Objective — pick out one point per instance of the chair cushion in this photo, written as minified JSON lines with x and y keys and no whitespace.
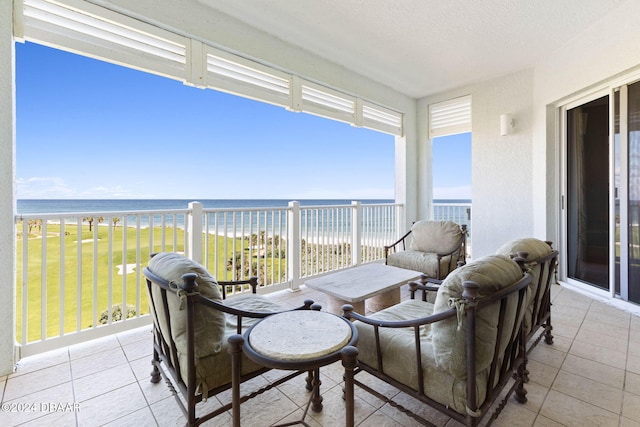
{"x":537,"y":249}
{"x":492,"y":273}
{"x":399,"y":356}
{"x":425,"y":262}
{"x":435,"y":236}
{"x":210,"y":324}
{"x":215,"y":370}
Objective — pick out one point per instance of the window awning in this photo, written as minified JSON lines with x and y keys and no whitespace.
{"x":87,"y":29}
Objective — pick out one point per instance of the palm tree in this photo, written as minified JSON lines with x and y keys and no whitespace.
{"x":89,"y":220}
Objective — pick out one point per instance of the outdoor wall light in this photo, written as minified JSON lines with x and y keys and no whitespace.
{"x":507,"y":124}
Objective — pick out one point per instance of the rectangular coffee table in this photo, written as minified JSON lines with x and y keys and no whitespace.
{"x":379,"y":284}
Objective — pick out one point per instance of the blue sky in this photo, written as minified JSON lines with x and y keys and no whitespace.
{"x":89,"y":129}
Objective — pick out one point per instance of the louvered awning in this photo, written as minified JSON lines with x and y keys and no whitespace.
{"x":87,"y":29}
{"x":450,"y":117}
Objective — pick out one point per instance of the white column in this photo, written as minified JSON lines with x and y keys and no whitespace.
{"x":293,"y":246}
{"x":7,"y":193}
{"x":194,"y":231}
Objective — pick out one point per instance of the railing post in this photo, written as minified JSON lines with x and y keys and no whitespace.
{"x":194,"y":231}
{"x":356,"y":233}
{"x":294,"y":246}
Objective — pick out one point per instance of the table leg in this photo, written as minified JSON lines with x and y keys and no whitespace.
{"x":384,"y":300}
{"x":316,"y":398}
{"x":309,"y":380}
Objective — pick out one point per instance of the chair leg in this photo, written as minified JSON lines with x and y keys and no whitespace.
{"x":548,"y":336}
{"x":155,"y":372}
{"x":349,"y":361}
{"x":235,"y":349}
{"x":520,"y":391}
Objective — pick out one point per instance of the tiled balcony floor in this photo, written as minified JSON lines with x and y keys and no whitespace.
{"x":589,"y":377}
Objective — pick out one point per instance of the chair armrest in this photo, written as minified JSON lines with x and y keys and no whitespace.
{"x":394,"y":246}
{"x":253,"y":282}
{"x":424,"y":284}
{"x":248,"y":313}
{"x":348,"y":313}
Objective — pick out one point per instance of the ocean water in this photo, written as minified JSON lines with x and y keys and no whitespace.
{"x":31,"y":206}
{"x":265,"y":219}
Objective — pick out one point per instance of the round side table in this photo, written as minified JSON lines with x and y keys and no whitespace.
{"x":304,"y":340}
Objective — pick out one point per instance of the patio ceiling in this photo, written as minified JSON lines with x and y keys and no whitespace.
{"x":421,"y":47}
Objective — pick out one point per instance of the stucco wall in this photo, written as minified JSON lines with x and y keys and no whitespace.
{"x":592,"y":60}
{"x":501,"y":165}
{"x":7,"y":200}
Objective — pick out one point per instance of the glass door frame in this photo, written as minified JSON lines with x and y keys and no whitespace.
{"x":564,"y":191}
{"x":618,"y":86}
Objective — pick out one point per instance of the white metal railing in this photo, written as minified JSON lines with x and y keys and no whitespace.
{"x":77,"y":272}
{"x":80,"y":274}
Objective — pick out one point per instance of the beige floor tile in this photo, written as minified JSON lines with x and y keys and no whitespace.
{"x":541,"y":373}
{"x":633,"y":364}
{"x":608,"y":315}
{"x":103,"y":381}
{"x":632,"y":383}
{"x":603,"y":340}
{"x":52,"y":419}
{"x":154,"y":392}
{"x":417,"y":407}
{"x":536,"y":394}
{"x":599,"y":354}
{"x":138,"y":350}
{"x":39,"y":404}
{"x":621,"y":333}
{"x":573,"y":412}
{"x":512,"y":416}
{"x":134,"y":335}
{"x":380,"y":419}
{"x":546,"y":422}
{"x":626,"y":422}
{"x":564,"y":329}
{"x":99,"y":361}
{"x":41,"y":361}
{"x":596,"y":371}
{"x":111,"y":406}
{"x":333,"y":413}
{"x":168,"y":414}
{"x":560,"y":343}
{"x":634,"y":347}
{"x":587,"y":390}
{"x":35,"y":381}
{"x":266,"y":409}
{"x":631,"y":406}
{"x":567,"y":315}
{"x":547,"y":355}
{"x":92,"y":347}
{"x":141,"y":418}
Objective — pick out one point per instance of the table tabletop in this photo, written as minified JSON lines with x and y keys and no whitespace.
{"x":362,"y":282}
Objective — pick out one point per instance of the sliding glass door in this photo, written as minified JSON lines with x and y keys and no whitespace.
{"x":587,"y":192}
{"x":602,"y":197}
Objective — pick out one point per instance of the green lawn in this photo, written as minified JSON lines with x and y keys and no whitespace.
{"x":79,"y":275}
